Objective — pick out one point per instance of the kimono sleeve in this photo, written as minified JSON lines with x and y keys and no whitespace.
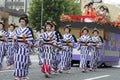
{"x":30,"y":38}
{"x":79,"y":45}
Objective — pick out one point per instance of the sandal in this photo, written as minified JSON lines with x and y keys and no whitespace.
{"x":16,"y":78}
{"x":25,"y":78}
{"x":47,"y":75}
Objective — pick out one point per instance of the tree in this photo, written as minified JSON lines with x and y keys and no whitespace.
{"x":52,"y":10}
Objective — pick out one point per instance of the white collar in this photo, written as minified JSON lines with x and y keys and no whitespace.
{"x":85,"y":35}
{"x":11,"y":32}
{"x":67,"y":34}
{"x":23,"y":28}
{"x":49,"y":32}
{"x":0,"y":31}
{"x":96,"y":36}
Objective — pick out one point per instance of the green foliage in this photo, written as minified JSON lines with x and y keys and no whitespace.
{"x":52,"y":9}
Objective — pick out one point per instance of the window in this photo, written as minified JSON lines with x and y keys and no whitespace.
{"x":14,"y":0}
{"x":8,"y":0}
{"x":10,"y":7}
{"x":20,"y":0}
{"x":21,"y":7}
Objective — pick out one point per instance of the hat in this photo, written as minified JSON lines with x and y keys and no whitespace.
{"x":68,"y":26}
{"x":54,"y":23}
{"x":95,"y":30}
{"x":12,"y":24}
{"x":48,"y":23}
{"x":42,"y":27}
{"x":24,"y":18}
{"x":85,"y":28}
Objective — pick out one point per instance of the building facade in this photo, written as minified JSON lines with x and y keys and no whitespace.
{"x":16,"y":4}
{"x":14,"y":9}
{"x":2,"y":3}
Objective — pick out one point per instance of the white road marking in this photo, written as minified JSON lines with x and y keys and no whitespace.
{"x":5,"y":71}
{"x":97,"y":77}
{"x":118,"y":66}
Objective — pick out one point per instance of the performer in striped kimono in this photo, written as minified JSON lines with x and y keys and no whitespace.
{"x":49,"y":40}
{"x":84,"y":42}
{"x":40,"y":48}
{"x":11,"y":47}
{"x":96,"y":44}
{"x":31,"y":47}
{"x":56,"y":56}
{"x":3,"y":39}
{"x":24,"y":41}
{"x":66,"y":56}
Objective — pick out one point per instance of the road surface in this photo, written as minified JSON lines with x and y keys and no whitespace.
{"x":76,"y":74}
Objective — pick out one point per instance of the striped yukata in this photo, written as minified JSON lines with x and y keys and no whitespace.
{"x":56,"y":56}
{"x":30,"y":52}
{"x":21,"y":59}
{"x":11,"y":49}
{"x":40,"y":49}
{"x":95,"y":51}
{"x":3,"y":46}
{"x":66,"y":56}
{"x":48,"y":51}
{"x":84,"y":49}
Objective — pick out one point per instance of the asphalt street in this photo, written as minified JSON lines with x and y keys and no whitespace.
{"x":75,"y":74}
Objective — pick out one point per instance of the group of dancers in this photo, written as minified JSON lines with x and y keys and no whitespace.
{"x":55,"y":50}
{"x":15,"y":45}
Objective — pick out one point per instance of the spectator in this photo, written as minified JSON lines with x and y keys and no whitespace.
{"x":86,"y":10}
{"x":101,"y":12}
{"x":90,"y":11}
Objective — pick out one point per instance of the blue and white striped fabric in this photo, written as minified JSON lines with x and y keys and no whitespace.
{"x":21,"y":59}
{"x":40,"y":48}
{"x":11,"y":49}
{"x":66,"y":55}
{"x":56,"y":56}
{"x":3,"y":45}
{"x":95,"y":51}
{"x":49,"y":49}
{"x":84,"y":50}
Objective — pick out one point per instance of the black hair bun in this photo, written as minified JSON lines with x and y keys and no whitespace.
{"x":95,"y":30}
{"x":68,"y":27}
{"x":49,"y":23}
{"x":12,"y":24}
{"x":25,"y":18}
{"x":85,"y":28}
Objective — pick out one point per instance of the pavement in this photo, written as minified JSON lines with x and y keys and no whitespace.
{"x":75,"y":73}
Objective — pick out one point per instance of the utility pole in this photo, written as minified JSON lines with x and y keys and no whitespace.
{"x":25,"y":6}
{"x":81,"y":6}
{"x":41,"y":13}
